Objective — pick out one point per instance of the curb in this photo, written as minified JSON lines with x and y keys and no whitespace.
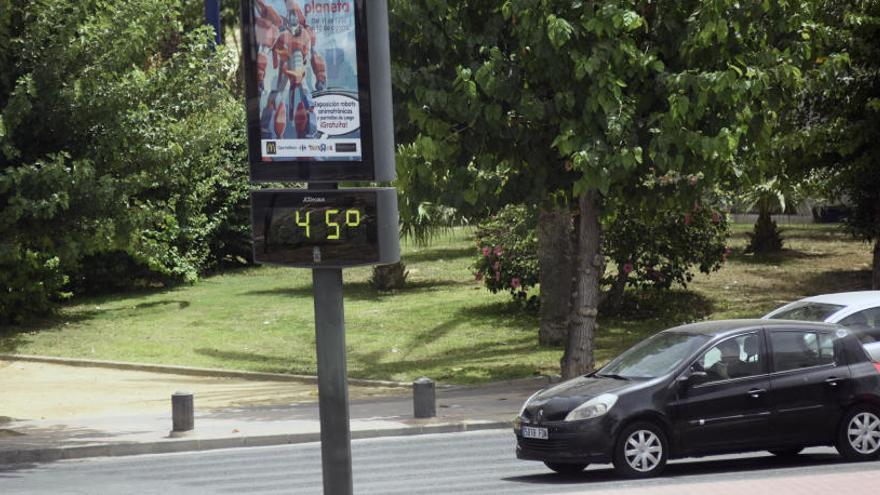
{"x":192,"y":371}
{"x":51,"y":454}
{"x":253,"y":375}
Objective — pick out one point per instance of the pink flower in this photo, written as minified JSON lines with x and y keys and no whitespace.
{"x":687,"y":219}
{"x":486,"y":251}
{"x":515,"y":283}
{"x":627,"y":268}
{"x":497,"y":266}
{"x":497,"y":276}
{"x":497,"y":250}
{"x":479,"y":276}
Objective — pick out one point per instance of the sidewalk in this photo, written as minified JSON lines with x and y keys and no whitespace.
{"x":51,"y":411}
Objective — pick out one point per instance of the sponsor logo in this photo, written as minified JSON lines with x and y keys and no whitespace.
{"x":346,"y":147}
{"x":327,"y":7}
{"x":314,"y":199}
{"x":271,"y":148}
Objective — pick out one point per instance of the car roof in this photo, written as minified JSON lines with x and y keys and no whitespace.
{"x":847,"y":298}
{"x":723,"y":327}
{"x":852,"y":302}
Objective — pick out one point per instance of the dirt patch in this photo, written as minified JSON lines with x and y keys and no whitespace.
{"x":50,"y":391}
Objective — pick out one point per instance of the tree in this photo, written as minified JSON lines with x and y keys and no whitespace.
{"x":839,"y":117}
{"x":599,"y":102}
{"x":119,"y":138}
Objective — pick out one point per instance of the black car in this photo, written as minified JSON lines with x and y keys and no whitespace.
{"x":710,"y":388}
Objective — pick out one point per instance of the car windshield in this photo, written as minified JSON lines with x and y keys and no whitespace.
{"x":655,"y":356}
{"x":810,"y":311}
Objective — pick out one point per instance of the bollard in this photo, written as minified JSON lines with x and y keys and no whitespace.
{"x":182,"y":413}
{"x":424,"y":399}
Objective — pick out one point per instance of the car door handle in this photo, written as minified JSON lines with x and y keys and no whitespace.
{"x":832,"y":382}
{"x":756,"y":393}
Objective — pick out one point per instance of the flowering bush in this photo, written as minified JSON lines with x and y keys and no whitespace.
{"x":508,"y":253}
{"x":662,"y":248}
{"x":657,"y":248}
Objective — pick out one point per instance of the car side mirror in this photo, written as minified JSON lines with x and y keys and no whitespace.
{"x":693,"y":375}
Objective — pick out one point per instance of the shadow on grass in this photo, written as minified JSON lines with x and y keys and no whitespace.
{"x":436,"y":254}
{"x":832,"y":281}
{"x":786,"y":256}
{"x":673,"y":305}
{"x":361,"y":291}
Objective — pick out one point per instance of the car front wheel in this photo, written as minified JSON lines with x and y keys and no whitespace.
{"x":859,"y":435}
{"x":566,"y":468}
{"x":641,"y":451}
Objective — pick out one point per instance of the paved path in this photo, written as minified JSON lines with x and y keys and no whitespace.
{"x":71,"y":412}
{"x":450,"y":464}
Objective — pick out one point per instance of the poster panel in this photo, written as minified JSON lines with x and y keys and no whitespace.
{"x":308,"y":84}
{"x":308,"y":80}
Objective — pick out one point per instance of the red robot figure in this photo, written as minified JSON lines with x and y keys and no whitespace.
{"x":292,"y":55}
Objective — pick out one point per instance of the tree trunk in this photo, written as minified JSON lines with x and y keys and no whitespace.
{"x":877,"y":265}
{"x":554,"y":253}
{"x":613,"y":300}
{"x":589,"y":268}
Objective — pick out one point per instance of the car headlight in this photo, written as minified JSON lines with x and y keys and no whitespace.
{"x":526,"y":403}
{"x":593,"y":408}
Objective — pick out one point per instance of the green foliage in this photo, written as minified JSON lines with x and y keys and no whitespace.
{"x":662,"y":248}
{"x":839,"y":118}
{"x":766,"y":238}
{"x":508,"y":253}
{"x":659,"y":249}
{"x":119,"y":135}
{"x":516,"y":101}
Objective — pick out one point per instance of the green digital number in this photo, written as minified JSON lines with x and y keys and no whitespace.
{"x":306,"y":225}
{"x":349,"y":214}
{"x":332,"y":224}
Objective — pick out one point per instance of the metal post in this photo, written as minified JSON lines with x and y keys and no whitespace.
{"x":424,"y":398}
{"x":212,"y":18}
{"x":332,"y":381}
{"x":182,"y":413}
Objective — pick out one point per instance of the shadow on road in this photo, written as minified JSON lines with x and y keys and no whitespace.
{"x":688,"y":467}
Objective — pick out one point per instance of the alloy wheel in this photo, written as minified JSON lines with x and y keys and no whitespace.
{"x":643,"y":450}
{"x":863,"y":433}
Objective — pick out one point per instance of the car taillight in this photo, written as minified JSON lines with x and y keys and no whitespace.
{"x":876,"y":366}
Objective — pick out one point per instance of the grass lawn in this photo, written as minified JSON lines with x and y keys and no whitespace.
{"x":444,"y":325}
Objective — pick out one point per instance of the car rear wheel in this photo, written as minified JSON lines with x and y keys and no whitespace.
{"x":786,"y":452}
{"x":859,"y":435}
{"x":566,"y":468}
{"x":641,"y":451}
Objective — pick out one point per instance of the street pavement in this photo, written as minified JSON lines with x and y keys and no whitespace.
{"x":453,"y":464}
{"x":70,"y":412}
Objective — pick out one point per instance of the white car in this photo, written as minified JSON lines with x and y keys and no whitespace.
{"x":858,"y":311}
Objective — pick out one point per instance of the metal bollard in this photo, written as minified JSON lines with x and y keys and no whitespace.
{"x":424,"y":398}
{"x":182,"y":413}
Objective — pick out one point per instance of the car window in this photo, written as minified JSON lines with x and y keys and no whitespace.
{"x":801,"y":349}
{"x":867,"y":321}
{"x":737,"y":357}
{"x":808,"y":311}
{"x":655,"y":356}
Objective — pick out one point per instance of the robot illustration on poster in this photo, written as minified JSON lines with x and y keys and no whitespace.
{"x":307,"y":80}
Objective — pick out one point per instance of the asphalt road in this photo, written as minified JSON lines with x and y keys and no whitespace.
{"x":459,"y":464}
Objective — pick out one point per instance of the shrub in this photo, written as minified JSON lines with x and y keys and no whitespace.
{"x":649,"y":248}
{"x":120,"y":137}
{"x":508,"y":253}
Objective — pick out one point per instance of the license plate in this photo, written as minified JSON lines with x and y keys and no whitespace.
{"x":532,"y":432}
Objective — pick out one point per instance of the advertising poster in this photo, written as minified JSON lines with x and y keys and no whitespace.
{"x":307,"y":79}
